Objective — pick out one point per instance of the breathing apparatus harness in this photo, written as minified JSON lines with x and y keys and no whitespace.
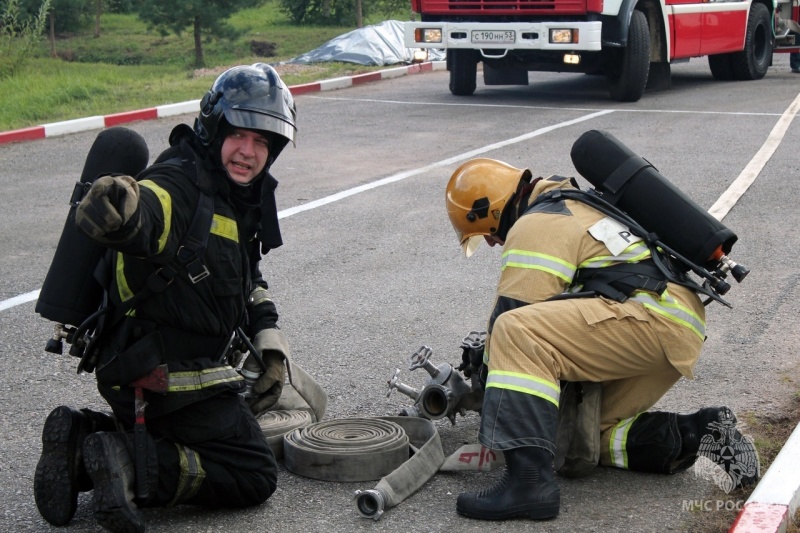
{"x":619,"y":281}
{"x":187,"y":259}
{"x":681,"y":236}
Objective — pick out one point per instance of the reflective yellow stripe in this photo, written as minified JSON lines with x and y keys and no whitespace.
{"x":524,"y":383}
{"x":225,"y":227}
{"x":618,"y":444}
{"x":538,"y":261}
{"x":166,"y":207}
{"x":191,"y":475}
{"x":634,"y":253}
{"x":200,"y":379}
{"x":124,"y":291}
{"x":670,"y":308}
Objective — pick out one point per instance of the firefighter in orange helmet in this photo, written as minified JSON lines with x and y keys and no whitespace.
{"x":567,"y":310}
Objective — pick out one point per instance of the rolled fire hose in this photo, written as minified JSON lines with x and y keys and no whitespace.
{"x":304,"y":402}
{"x":404,"y":452}
{"x":301,"y":403}
{"x":275,"y":424}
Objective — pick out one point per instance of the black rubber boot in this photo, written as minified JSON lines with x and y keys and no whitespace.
{"x":110,"y":465}
{"x":693,"y":427}
{"x":526,"y":490}
{"x":60,"y":474}
{"x":712,"y":433}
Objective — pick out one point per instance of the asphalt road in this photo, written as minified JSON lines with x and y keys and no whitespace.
{"x":365,"y":279}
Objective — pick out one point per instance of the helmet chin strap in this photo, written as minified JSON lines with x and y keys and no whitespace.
{"x":240,"y":185}
{"x":515,"y":207}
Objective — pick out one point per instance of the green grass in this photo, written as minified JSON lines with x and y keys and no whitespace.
{"x":130,"y":67}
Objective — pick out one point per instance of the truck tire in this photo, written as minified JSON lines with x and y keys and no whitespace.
{"x":463,"y":72}
{"x":722,"y":67}
{"x":629,"y":66}
{"x":752,"y":62}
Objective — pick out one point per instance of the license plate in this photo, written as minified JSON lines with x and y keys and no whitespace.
{"x":503,"y":37}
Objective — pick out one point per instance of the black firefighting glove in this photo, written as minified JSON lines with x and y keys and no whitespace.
{"x":274,"y":349}
{"x":110,"y":203}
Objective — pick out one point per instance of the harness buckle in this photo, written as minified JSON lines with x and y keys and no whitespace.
{"x":161,"y":278}
{"x":195,"y":268}
{"x":201,"y":275}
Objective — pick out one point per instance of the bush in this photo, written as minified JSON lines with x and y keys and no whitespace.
{"x":18,"y":36}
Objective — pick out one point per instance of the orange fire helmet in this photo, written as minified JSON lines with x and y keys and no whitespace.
{"x":476,"y":194}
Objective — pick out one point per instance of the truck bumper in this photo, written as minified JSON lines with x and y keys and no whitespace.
{"x":509,"y":36}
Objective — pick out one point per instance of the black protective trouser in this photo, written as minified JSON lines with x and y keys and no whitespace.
{"x":512,"y":419}
{"x":239,"y":467}
{"x":653,"y":444}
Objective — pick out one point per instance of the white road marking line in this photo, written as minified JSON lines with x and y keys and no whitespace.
{"x":718,"y":210}
{"x":449,"y":161}
{"x":546,"y":108}
{"x":740,"y":185}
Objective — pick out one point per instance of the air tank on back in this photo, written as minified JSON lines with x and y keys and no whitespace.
{"x":70,"y":292}
{"x":634,"y":186}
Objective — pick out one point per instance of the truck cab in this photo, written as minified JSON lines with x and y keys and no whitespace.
{"x":630,"y":42}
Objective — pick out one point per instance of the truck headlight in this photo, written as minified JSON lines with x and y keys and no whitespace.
{"x":563,"y":35}
{"x":428,"y":35}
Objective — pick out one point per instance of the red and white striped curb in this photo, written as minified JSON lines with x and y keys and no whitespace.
{"x":772,"y":505}
{"x":99,"y":122}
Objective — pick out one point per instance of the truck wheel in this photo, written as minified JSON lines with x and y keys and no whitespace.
{"x":752,"y":62}
{"x":721,"y":67}
{"x":463,"y":72}
{"x":629,"y":66}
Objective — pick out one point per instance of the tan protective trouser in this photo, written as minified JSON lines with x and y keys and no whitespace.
{"x":592,"y":339}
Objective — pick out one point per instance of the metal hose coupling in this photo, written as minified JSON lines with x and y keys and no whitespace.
{"x":445,"y":394}
{"x":436,"y":401}
{"x":370,"y":503}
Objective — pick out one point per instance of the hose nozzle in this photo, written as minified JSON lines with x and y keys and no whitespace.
{"x":370,"y":503}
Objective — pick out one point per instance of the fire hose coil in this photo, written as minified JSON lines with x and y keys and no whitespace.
{"x":350,"y":449}
{"x":275,"y":424}
{"x":403,"y":452}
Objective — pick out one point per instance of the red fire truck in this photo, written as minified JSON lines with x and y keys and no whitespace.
{"x":631,"y":42}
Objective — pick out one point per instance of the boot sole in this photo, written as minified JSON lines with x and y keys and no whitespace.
{"x":55,"y":482}
{"x":533,"y":512}
{"x":112,"y":509}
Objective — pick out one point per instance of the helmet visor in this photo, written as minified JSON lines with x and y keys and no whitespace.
{"x":253,"y":120}
{"x":470,"y":244}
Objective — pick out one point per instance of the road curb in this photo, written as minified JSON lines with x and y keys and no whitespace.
{"x":772,"y":505}
{"x":99,"y":122}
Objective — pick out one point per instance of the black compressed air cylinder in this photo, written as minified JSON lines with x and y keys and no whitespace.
{"x":70,"y":292}
{"x":637,"y":188}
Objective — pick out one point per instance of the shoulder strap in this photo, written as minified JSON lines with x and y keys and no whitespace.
{"x":190,"y":251}
{"x":188,"y":257}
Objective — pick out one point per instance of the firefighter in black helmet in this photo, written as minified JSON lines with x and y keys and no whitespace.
{"x":202,"y":445}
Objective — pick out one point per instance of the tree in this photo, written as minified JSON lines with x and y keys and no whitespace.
{"x":66,"y":15}
{"x":339,"y":12}
{"x":70,"y":15}
{"x":98,"y":10}
{"x":205,"y":17}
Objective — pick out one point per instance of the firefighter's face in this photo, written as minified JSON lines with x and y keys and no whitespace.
{"x":492,"y":240}
{"x":244,"y":154}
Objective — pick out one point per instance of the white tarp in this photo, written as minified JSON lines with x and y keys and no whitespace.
{"x":379,"y":44}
